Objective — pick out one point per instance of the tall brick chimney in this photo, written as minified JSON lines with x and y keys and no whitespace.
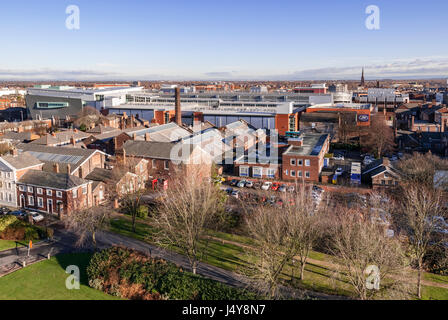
{"x":178,"y":111}
{"x":56,"y":168}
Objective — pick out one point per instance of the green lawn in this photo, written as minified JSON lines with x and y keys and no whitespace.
{"x":46,"y":281}
{"x":232,"y":257}
{"x":7,"y":244}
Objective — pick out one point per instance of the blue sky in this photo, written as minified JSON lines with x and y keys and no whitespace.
{"x":245,"y":39}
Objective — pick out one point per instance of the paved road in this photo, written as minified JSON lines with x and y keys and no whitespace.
{"x":65,"y":243}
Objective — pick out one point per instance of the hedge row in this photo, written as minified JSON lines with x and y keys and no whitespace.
{"x":132,"y":275}
{"x":14,"y":229}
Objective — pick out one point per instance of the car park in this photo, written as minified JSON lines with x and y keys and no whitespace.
{"x":282,"y":188}
{"x":266,"y":185}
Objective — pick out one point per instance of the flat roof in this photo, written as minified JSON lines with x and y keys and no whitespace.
{"x":312,"y":144}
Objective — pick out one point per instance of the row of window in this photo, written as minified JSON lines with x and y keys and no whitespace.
{"x":6,"y":175}
{"x":49,"y":192}
{"x":5,"y":196}
{"x":293,"y":173}
{"x":257,"y":172}
{"x":8,"y":185}
{"x":40,"y":202}
{"x":299,"y":162}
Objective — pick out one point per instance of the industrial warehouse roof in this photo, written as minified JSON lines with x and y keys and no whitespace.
{"x":160,"y":150}
{"x":163,"y":133}
{"x":53,"y":180}
{"x":311,"y":145}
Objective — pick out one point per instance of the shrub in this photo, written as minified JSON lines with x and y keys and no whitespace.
{"x":142,"y":212}
{"x":12,"y":228}
{"x":7,"y":220}
{"x":132,"y":275}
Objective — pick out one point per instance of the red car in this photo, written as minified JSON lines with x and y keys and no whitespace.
{"x":275,"y":186}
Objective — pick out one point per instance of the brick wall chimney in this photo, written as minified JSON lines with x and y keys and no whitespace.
{"x":134,"y":136}
{"x":298,"y":142}
{"x":56,"y":168}
{"x":178,"y":110}
{"x":14,"y":152}
{"x":147,"y":138}
{"x":68,"y":168}
{"x":72,"y":141}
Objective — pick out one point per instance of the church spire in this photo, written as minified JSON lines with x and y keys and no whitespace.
{"x":362,"y":77}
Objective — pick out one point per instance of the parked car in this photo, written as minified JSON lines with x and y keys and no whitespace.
{"x":229,"y":190}
{"x":368,"y":159}
{"x":291,"y":189}
{"x":257,"y":185}
{"x":249,"y":184}
{"x":236,"y":193}
{"x":338,"y":157}
{"x":339,"y":171}
{"x":282,"y":188}
{"x":234,"y":182}
{"x":266,"y":185}
{"x":19,"y":214}
{"x":275,"y":186}
{"x":37,"y":217}
{"x":4,"y":210}
{"x":241,"y":184}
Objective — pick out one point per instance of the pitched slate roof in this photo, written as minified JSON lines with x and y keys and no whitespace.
{"x":21,"y":161}
{"x":53,"y":180}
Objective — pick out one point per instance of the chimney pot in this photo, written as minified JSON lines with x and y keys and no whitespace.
{"x":147,"y":138}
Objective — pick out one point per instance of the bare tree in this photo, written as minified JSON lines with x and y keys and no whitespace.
{"x":130,"y":204}
{"x":268,"y":227}
{"x":361,"y":247}
{"x":380,"y":137}
{"x":302,"y":224}
{"x":420,"y":169}
{"x":422,"y":208}
{"x":5,"y":147}
{"x":86,"y":223}
{"x":88,"y":117}
{"x":187,"y":211}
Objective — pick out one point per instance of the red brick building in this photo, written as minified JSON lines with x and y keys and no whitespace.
{"x":53,"y":193}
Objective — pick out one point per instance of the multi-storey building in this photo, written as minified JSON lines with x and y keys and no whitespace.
{"x":12,"y":168}
{"x":54,"y":192}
